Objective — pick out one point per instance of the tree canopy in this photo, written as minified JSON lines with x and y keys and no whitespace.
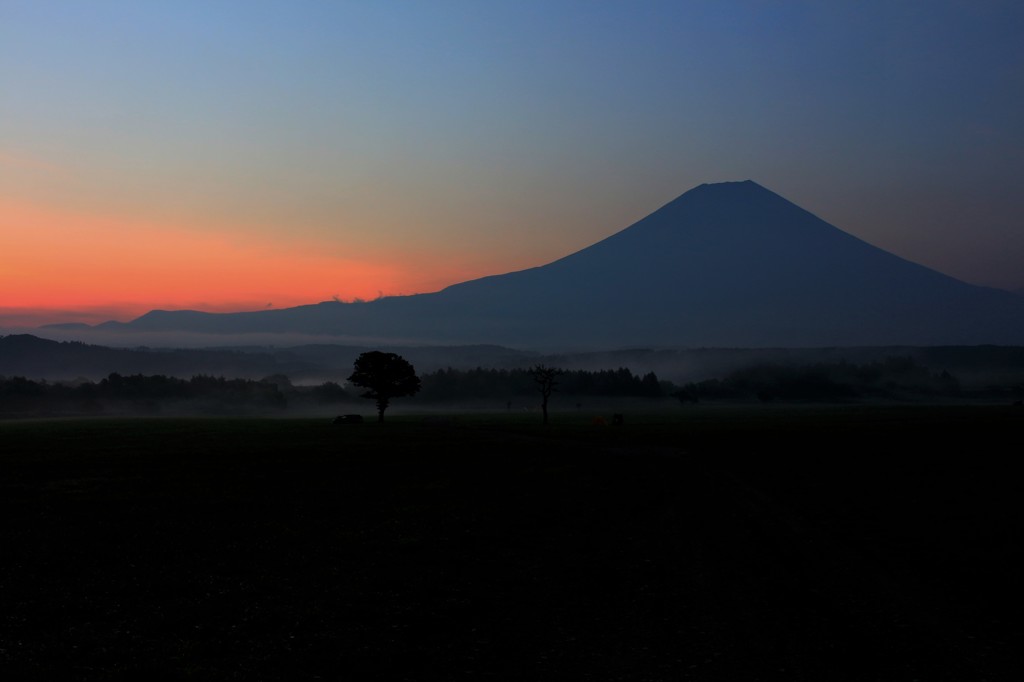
{"x":384,"y":376}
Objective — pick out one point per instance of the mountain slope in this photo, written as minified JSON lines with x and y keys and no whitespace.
{"x":729,"y":264}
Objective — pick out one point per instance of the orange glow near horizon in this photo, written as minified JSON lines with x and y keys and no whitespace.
{"x":103,"y":268}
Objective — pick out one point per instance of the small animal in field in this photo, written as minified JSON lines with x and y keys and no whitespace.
{"x":349,"y":419}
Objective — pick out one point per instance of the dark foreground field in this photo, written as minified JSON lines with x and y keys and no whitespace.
{"x":734,"y":544}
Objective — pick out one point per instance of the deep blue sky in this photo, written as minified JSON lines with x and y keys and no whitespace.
{"x":435,"y":141}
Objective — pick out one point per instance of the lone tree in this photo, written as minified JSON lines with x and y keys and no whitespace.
{"x":546,"y":379}
{"x":384,"y":376}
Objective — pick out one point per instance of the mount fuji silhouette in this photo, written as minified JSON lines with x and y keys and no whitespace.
{"x":728,"y":264}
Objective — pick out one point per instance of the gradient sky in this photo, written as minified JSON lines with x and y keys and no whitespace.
{"x":238,"y":155}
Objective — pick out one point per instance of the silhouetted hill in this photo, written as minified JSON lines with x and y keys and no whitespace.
{"x":70,"y":326}
{"x":729,"y":264}
{"x":30,"y":356}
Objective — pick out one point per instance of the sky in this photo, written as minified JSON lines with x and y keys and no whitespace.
{"x":238,"y":155}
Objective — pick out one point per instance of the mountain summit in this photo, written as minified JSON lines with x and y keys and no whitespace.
{"x":728,"y":264}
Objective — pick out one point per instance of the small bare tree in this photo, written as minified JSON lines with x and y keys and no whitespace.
{"x":546,"y":379}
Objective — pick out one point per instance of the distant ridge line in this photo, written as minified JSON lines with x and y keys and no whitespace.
{"x":729,"y":264}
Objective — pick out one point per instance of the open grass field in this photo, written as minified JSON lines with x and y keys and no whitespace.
{"x":743,"y":543}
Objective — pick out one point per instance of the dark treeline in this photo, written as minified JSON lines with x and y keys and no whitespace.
{"x":895,"y":378}
{"x":892,"y":378}
{"x":149,"y":394}
{"x":504,"y":384}
{"x":137,"y":393}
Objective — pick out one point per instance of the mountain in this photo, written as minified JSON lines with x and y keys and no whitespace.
{"x":729,"y":264}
